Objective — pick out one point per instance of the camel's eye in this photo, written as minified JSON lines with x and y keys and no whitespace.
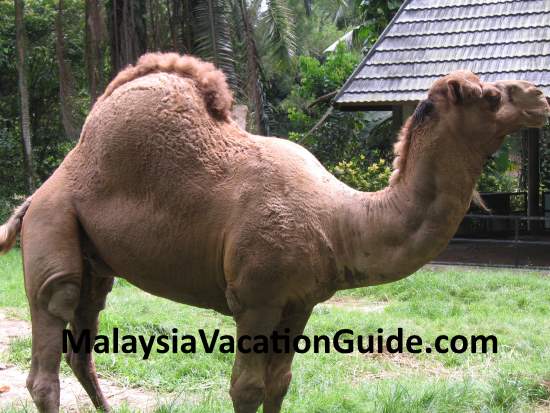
{"x":493,"y":99}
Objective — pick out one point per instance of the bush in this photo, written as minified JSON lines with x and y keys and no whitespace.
{"x":500,"y":173}
{"x":358,"y":174}
{"x":339,"y":135}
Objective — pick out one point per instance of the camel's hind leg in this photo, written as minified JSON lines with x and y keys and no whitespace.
{"x":93,"y":293}
{"x":43,"y":379}
{"x":53,"y":272}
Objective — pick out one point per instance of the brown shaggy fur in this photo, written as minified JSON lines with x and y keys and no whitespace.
{"x":401,"y":150}
{"x":424,"y":110}
{"x":210,"y":81}
{"x":402,"y":146}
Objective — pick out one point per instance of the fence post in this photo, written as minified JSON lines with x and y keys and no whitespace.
{"x":516,"y":239}
{"x":533,"y":184}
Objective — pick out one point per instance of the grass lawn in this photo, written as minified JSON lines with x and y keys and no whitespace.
{"x":513,"y":305}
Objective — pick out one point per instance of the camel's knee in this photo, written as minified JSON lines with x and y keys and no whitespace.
{"x":247,"y":396}
{"x":277,"y":385}
{"x":80,"y":362}
{"x":44,"y":390}
{"x":64,"y":301}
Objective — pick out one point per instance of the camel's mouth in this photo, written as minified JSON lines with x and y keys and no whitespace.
{"x":537,"y":118}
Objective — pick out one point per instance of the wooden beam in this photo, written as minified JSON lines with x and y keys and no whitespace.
{"x":533,"y":183}
{"x":397,"y":119}
{"x":408,"y":110}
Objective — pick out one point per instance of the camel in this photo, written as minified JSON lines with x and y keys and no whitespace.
{"x":164,"y":190}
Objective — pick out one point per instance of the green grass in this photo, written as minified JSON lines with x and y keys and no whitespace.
{"x":513,"y":305}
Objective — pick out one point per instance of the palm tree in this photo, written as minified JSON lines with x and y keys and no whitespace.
{"x":212,"y":35}
{"x":224,"y":32}
{"x":215,"y":34}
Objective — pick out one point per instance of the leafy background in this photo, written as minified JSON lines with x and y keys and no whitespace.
{"x":282,"y":58}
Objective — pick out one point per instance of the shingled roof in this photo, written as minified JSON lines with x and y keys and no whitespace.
{"x":496,"y":39}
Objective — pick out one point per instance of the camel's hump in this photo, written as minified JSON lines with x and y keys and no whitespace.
{"x":210,"y":81}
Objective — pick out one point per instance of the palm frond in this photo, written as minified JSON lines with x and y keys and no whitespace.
{"x":279,"y":28}
{"x":212,"y":37}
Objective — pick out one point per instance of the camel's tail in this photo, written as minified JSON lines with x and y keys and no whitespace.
{"x":12,"y":227}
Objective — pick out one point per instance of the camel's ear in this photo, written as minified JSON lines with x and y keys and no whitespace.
{"x":462,"y":91}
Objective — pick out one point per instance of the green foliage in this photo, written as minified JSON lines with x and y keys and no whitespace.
{"x":338,"y":137}
{"x":318,"y":78}
{"x":341,"y":142}
{"x":49,"y":142}
{"x":367,"y":19}
{"x":315,"y":30}
{"x":214,"y":44}
{"x":376,"y":14}
{"x":500,"y":173}
{"x":278,"y":28}
{"x":362,"y":175}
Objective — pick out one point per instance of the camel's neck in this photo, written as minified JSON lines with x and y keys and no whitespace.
{"x":386,"y":235}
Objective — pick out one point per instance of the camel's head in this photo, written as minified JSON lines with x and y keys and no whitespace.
{"x":484,"y":112}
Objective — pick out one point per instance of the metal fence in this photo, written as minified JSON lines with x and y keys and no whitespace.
{"x":517,"y":231}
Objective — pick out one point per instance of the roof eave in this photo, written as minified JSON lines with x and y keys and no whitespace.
{"x":374,"y":106}
{"x":371,"y":50}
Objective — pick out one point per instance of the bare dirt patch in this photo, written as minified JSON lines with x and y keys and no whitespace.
{"x":73,"y":398}
{"x":355,"y":304}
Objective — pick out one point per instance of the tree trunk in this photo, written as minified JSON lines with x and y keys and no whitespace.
{"x":177,"y":24}
{"x":186,"y":26}
{"x":127,"y":43}
{"x":253,"y":64}
{"x":239,"y":115}
{"x":154,"y":25}
{"x":172,"y":12}
{"x":72,"y":131}
{"x":127,"y":32}
{"x":21,"y":40}
{"x":158,"y":19}
{"x":94,"y":53}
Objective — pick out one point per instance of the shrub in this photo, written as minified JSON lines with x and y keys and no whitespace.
{"x":360,"y":175}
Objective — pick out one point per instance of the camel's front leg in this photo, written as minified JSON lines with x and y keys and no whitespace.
{"x":248,"y":378}
{"x":278,"y":372}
